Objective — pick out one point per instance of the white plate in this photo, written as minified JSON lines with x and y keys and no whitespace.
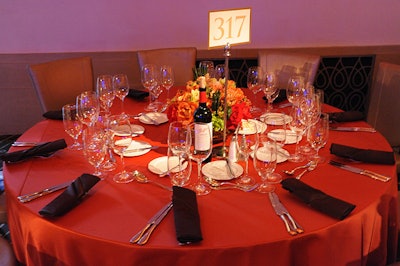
{"x":136,"y":144}
{"x":282,"y":155}
{"x":261,"y":127}
{"x":291,"y":137}
{"x":218,"y":170}
{"x":160,"y":165}
{"x":271,"y":116}
{"x":137,"y":129}
{"x":159,"y":117}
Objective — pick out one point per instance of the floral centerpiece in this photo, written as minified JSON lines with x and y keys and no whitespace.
{"x":183,"y":105}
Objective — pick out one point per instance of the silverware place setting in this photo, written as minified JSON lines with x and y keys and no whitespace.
{"x":43,"y":192}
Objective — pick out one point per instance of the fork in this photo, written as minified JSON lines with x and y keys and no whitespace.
{"x":312,"y":166}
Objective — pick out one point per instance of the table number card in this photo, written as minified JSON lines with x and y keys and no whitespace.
{"x":229,"y":26}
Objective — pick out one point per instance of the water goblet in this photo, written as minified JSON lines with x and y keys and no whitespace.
{"x":200,"y":149}
{"x":121,"y":138}
{"x":255,"y":84}
{"x":148,"y":78}
{"x":105,"y":92}
{"x":219,"y":72}
{"x":72,"y":124}
{"x":298,"y":128}
{"x":270,"y":88}
{"x":167,"y":78}
{"x":87,"y":104}
{"x":208,"y":67}
{"x":178,"y":140}
{"x":317,"y":136}
{"x":121,"y":88}
{"x":265,"y":160}
{"x":95,"y":147}
{"x":246,"y":142}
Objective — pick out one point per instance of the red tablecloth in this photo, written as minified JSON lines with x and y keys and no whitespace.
{"x":238,"y":228}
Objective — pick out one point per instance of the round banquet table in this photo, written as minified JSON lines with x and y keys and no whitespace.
{"x":239,"y":228}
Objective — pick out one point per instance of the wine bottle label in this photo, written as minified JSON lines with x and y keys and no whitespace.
{"x":202,"y":137}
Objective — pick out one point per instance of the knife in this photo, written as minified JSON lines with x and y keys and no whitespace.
{"x":143,"y":235}
{"x":361,"y":171}
{"x":155,"y":122}
{"x":40,"y":193}
{"x":142,"y":149}
{"x":354,"y":129}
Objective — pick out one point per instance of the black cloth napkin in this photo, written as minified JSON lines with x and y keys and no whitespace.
{"x":71,"y":197}
{"x":137,"y":94}
{"x":186,"y":215}
{"x":362,"y":155}
{"x":54,"y":115}
{"x":44,"y":149}
{"x":347,"y":116}
{"x":317,"y":199}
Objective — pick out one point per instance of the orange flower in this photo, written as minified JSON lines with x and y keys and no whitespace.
{"x":182,"y":111}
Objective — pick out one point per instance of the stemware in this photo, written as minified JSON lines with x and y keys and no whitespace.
{"x":167,"y":78}
{"x":294,"y":89}
{"x":105,"y":92}
{"x":265,"y":160}
{"x":208,"y":66}
{"x":246,"y":142}
{"x":298,"y":128}
{"x":276,"y":127}
{"x":121,"y":138}
{"x":72,"y":124}
{"x":178,"y":143}
{"x":121,"y":88}
{"x":317,"y":136}
{"x":219,"y":72}
{"x":200,"y":149}
{"x":148,"y":78}
{"x":270,"y":88}
{"x":95,"y":147}
{"x":87,"y":104}
{"x":255,"y":84}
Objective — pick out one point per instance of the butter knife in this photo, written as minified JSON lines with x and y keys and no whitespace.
{"x":155,"y":122}
{"x":354,"y":129}
{"x":142,"y":149}
{"x":43,"y":192}
{"x":361,"y":171}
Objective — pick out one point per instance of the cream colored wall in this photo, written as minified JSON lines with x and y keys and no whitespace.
{"x":29,"y":26}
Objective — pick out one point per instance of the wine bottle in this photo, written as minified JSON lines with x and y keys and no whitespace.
{"x":202,"y":118}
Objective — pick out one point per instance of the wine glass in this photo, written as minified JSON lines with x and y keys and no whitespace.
{"x":294,"y":89}
{"x":121,"y":88}
{"x":255,"y":84}
{"x":219,"y":72}
{"x":298,"y":128}
{"x":167,"y":78}
{"x":105,"y":92}
{"x":265,"y":160}
{"x":317,"y":136}
{"x":246,"y":142}
{"x":270,"y":88}
{"x":208,"y":66}
{"x":178,"y":140}
{"x":121,"y":139}
{"x":148,"y":73}
{"x":72,"y":124}
{"x":94,"y":147}
{"x":200,"y":150}
{"x":276,"y":128}
{"x":87,"y":104}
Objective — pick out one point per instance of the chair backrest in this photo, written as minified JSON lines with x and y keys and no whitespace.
{"x":182,"y":60}
{"x":288,"y":64}
{"x":59,"y":82}
{"x":384,"y":107}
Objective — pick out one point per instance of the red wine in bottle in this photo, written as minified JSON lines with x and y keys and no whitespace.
{"x":202,"y":118}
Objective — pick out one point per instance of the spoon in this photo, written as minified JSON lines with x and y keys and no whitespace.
{"x":229,"y":185}
{"x":141,"y":178}
{"x":291,"y":172}
{"x":312,"y":166}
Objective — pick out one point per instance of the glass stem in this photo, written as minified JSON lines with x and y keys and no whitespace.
{"x":199,"y":171}
{"x":247,"y":165}
{"x":122,"y":162}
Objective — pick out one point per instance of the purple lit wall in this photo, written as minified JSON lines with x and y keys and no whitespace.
{"x":35,"y":26}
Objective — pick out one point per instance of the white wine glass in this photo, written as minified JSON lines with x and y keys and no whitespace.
{"x":95,"y":147}
{"x":72,"y":124}
{"x":105,"y":92}
{"x":88,"y":107}
{"x":317,"y":136}
{"x":270,"y":88}
{"x":148,"y":78}
{"x":121,"y":88}
{"x":167,"y":78}
{"x":255,"y":84}
{"x":200,"y":150}
{"x":246,"y":142}
{"x":219,"y":72}
{"x":178,"y":140}
{"x":265,"y":160}
{"x":208,"y":66}
{"x":121,"y":139}
{"x":294,"y":89}
{"x":298,"y":128}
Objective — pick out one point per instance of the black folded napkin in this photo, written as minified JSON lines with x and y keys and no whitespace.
{"x":45,"y":149}
{"x":347,"y":116}
{"x":362,"y":155}
{"x":317,"y":199}
{"x":54,"y":115}
{"x":186,"y":215}
{"x":71,"y":197}
{"x":137,"y":94}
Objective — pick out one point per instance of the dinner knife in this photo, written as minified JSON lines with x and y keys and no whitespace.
{"x":354,"y":129}
{"x":40,"y":193}
{"x":361,"y":171}
{"x":142,"y":149}
{"x":155,"y":122}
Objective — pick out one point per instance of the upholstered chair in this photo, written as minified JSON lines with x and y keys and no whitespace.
{"x":182,"y":60}
{"x":288,"y":64}
{"x":59,"y":82}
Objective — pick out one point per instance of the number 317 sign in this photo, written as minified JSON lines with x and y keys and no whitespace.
{"x":229,"y":26}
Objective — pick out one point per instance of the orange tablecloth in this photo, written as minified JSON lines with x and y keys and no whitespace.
{"x":238,"y":228}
